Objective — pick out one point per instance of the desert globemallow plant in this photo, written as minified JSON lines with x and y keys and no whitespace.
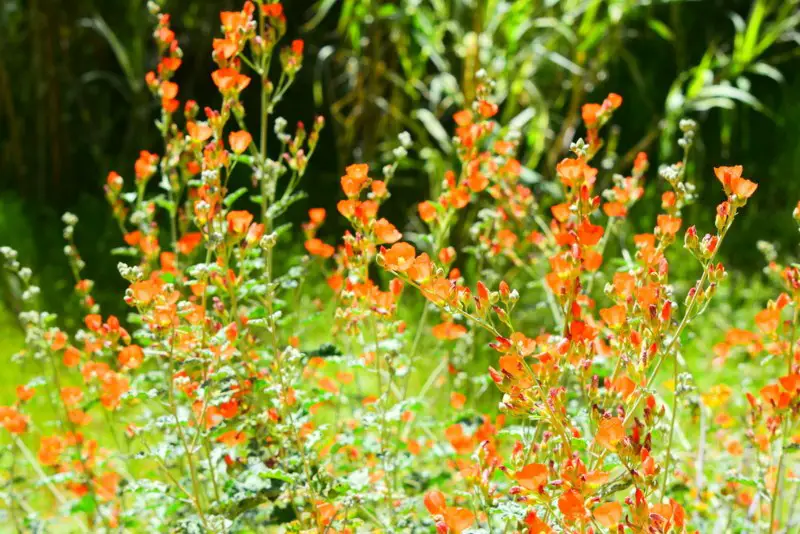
{"x":396,"y":379}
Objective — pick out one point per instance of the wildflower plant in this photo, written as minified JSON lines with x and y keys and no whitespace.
{"x":394,"y":380}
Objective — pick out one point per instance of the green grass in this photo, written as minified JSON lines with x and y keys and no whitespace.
{"x":12,"y":340}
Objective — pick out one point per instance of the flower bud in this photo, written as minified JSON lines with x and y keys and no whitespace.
{"x":268,"y":241}
{"x":690,"y":239}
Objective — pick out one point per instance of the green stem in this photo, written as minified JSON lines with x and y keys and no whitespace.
{"x":671,"y":427}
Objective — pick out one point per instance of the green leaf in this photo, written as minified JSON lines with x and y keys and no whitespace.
{"x":558,"y":59}
{"x":319,"y":66}
{"x":241,"y":158}
{"x":764,"y":69}
{"x":124,"y":251}
{"x":99,"y":25}
{"x":282,"y":229}
{"x":732,"y":93}
{"x":522,"y":118}
{"x":168,"y":205}
{"x":435,"y":128}
{"x":321,"y":9}
{"x":753,"y":30}
{"x":325,"y":350}
{"x":701,"y":75}
{"x":275,"y":474}
{"x":257,"y":313}
{"x":86,"y":504}
{"x":387,"y":11}
{"x":233,"y":197}
{"x":279,"y":208}
{"x":792,"y":447}
{"x":661,"y":29}
{"x":749,"y":482}
{"x":578,"y":444}
{"x":711,"y":103}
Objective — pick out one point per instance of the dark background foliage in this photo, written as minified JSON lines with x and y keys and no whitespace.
{"x":73,"y":106}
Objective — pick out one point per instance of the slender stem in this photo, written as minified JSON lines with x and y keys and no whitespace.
{"x":774,"y":507}
{"x":382,"y":430}
{"x":603,"y":242}
{"x":699,"y":476}
{"x":181,"y":436}
{"x":668,"y":459}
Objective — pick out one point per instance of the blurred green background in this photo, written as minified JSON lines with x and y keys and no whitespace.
{"x":73,"y":104}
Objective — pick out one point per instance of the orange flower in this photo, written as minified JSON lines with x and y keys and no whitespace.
{"x":13,"y":421}
{"x":449,"y":331}
{"x":733,"y":183}
{"x":427,"y":211}
{"x":71,"y":395}
{"x":131,"y":356}
{"x":614,"y":316}
{"x":239,"y":141}
{"x":561,"y":212}
{"x":225,"y":48}
{"x":358,"y":171}
{"x":791,"y":383}
{"x":610,"y":432}
{"x":768,"y":320}
{"x":188,"y":242}
{"x":457,"y":400}
{"x":24,"y":393}
{"x":668,"y":516}
{"x":624,"y":386}
{"x":455,"y":519}
{"x":144,"y":291}
{"x":668,"y":224}
{"x":615,"y":101}
{"x":50,"y":449}
{"x":239,"y":222}
{"x":608,"y":514}
{"x":532,"y":477}
{"x":461,"y":442}
{"x":536,"y":525}
{"x":58,"y":341}
{"x":327,"y":512}
{"x":106,"y":485}
{"x":93,"y":322}
{"x":274,"y":10}
{"x":422,"y":269}
{"x":317,"y":247}
{"x":353,"y":183}
{"x":571,"y":505}
{"x":229,"y":408}
{"x":145,"y":166}
{"x":575,"y":172}
{"x":447,"y":255}
{"x":400,"y":257}
{"x":232,"y":438}
{"x":463,"y":118}
{"x":386,"y":231}
{"x":615,"y":209}
{"x":79,"y":417}
{"x":229,"y":80}
{"x":589,"y":113}
{"x":589,"y":234}
{"x":487,"y":109}
{"x":113,"y":387}
{"x":378,"y":188}
{"x":72,"y":356}
{"x":316,"y":215}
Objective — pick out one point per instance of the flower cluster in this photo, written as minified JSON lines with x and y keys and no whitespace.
{"x":491,"y":365}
